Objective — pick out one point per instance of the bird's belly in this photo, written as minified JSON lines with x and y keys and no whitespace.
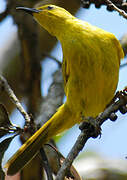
{"x":89,"y":96}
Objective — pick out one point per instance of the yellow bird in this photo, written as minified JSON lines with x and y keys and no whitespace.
{"x":91,"y":59}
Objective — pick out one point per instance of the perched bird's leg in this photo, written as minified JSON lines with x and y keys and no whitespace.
{"x":123,"y":109}
{"x":91,"y":127}
{"x":121,"y":95}
{"x":118,"y":95}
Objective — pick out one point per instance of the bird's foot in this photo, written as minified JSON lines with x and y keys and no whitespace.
{"x":119,"y":95}
{"x":91,"y":127}
{"x":123,"y":95}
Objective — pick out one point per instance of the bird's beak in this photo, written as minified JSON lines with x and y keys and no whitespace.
{"x":28,"y":10}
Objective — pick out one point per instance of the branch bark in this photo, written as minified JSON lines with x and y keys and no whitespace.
{"x":86,"y":134}
{"x":5,"y":86}
{"x":120,"y":11}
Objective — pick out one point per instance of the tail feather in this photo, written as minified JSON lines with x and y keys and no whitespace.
{"x":57,"y":123}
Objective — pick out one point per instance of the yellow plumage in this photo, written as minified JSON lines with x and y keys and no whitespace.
{"x":91,"y":58}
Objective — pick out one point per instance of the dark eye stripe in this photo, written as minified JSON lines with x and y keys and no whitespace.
{"x":50,"y":7}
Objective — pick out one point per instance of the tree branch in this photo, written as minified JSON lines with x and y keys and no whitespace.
{"x":123,"y":42}
{"x":4,"y":14}
{"x":46,"y":164}
{"x":121,"y":12}
{"x":86,"y":133}
{"x":123,"y":65}
{"x":53,"y":58}
{"x":119,"y":4}
{"x":5,"y":86}
{"x":53,"y":100}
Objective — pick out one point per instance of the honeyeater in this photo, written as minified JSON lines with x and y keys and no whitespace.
{"x":90,"y":67}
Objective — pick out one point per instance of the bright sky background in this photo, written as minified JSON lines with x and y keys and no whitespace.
{"x":113,"y":140}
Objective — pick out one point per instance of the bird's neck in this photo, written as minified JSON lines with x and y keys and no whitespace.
{"x":61,"y":27}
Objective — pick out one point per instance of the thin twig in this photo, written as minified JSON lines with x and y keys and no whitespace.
{"x":4,"y":14}
{"x":52,"y":57}
{"x":123,"y":65}
{"x":4,"y":84}
{"x":78,"y":146}
{"x":85,"y":135}
{"x":46,"y":164}
{"x":121,"y":12}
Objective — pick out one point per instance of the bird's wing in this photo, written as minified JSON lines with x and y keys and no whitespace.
{"x":65,"y":71}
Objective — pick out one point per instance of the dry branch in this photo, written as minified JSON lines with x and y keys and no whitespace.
{"x":86,"y":133}
{"x":5,"y":86}
{"x":120,"y":11}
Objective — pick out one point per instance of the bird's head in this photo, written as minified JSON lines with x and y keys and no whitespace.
{"x":51,"y":17}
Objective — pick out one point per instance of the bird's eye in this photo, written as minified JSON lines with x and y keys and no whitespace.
{"x":49,"y":7}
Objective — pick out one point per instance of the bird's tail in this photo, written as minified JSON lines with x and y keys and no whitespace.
{"x":59,"y":122}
